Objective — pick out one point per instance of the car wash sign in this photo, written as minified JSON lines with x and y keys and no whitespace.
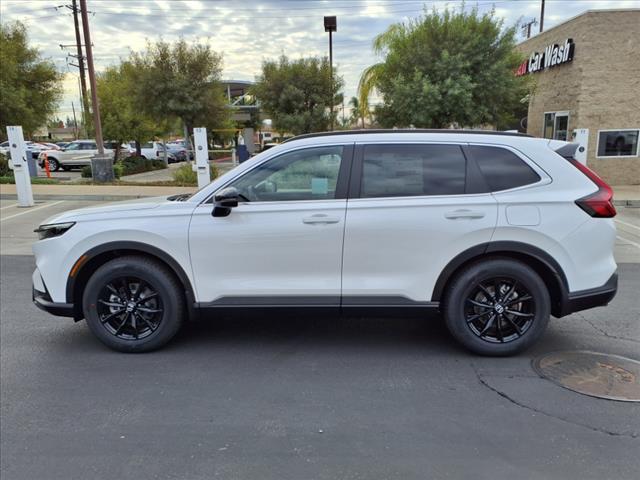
{"x":552,"y":56}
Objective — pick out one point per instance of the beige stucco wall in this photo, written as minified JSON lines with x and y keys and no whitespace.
{"x":600,"y":88}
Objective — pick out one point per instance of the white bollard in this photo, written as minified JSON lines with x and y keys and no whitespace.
{"x":20,"y":166}
{"x":202,"y":156}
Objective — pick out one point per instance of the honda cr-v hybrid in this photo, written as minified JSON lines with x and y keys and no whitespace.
{"x":496,"y":231}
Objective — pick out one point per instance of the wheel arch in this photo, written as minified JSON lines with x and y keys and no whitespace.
{"x":544,"y":265}
{"x":94,"y":258}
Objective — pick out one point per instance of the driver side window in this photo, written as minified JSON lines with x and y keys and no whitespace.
{"x":309,"y":174}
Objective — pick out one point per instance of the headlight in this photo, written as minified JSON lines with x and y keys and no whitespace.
{"x":53,"y":229}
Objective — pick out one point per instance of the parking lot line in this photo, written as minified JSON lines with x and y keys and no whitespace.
{"x":627,"y":224}
{"x":31,"y":210}
{"x":9,"y":206}
{"x":631,"y":242}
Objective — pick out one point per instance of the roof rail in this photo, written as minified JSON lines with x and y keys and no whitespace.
{"x":404,"y":130}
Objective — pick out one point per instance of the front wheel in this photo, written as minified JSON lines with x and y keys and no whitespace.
{"x":497,"y":307}
{"x":133,"y":304}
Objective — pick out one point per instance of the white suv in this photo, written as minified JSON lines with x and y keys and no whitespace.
{"x":496,"y":231}
{"x":76,"y":154}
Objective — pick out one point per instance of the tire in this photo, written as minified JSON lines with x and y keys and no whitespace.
{"x":520,"y":315}
{"x":124,"y":281}
{"x":54,"y":165}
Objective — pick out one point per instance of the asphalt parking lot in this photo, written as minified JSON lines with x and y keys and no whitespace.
{"x":301,"y":398}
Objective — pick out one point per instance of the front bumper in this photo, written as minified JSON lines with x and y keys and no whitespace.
{"x":43,"y":301}
{"x":594,"y":297}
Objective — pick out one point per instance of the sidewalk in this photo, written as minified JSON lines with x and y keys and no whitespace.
{"x":627,"y":195}
{"x":93,"y":192}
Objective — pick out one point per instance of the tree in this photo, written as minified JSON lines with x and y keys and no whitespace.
{"x":358,"y":111}
{"x":297,"y":94}
{"x":30,"y":87}
{"x":180,"y":80}
{"x":121,"y":119}
{"x":454,"y":68}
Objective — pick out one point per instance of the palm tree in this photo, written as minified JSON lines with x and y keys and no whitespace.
{"x":357,"y":112}
{"x":372,"y":74}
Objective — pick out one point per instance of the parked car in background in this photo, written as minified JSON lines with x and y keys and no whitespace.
{"x":181,"y":145}
{"x":152,"y":151}
{"x":181,"y":153}
{"x":495,"y":231}
{"x":77,"y":154}
{"x":62,"y":144}
{"x":50,"y":146}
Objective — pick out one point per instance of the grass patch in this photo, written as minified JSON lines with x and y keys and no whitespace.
{"x":34,"y":181}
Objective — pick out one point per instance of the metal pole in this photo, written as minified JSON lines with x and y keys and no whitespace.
{"x":75,"y":122}
{"x":83,"y":80}
{"x":541,"y":16}
{"x":92,"y":77}
{"x":331,"y":71}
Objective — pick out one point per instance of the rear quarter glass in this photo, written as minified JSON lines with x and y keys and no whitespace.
{"x":501,"y":168}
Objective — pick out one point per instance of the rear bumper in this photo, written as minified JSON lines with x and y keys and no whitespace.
{"x":594,"y":297}
{"x":43,"y":302}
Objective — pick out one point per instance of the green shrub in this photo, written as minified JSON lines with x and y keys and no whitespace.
{"x":117,"y":170}
{"x":131,"y":165}
{"x":4,"y":167}
{"x":185,"y":175}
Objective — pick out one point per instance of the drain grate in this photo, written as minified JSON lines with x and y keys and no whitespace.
{"x":590,"y":373}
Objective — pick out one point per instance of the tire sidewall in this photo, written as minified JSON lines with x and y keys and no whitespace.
{"x":467,"y":281}
{"x":159,"y":279}
{"x":55,"y":166}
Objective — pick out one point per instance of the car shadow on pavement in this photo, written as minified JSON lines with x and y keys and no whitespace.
{"x":346,"y":332}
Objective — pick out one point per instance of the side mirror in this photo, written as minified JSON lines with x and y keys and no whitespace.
{"x":224,"y":201}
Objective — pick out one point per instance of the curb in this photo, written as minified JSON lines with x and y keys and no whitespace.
{"x":95,"y":198}
{"x":627,"y":203}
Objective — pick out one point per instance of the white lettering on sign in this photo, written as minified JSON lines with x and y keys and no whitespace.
{"x":552,"y":56}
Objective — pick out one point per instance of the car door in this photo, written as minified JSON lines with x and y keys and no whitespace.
{"x":413,"y":210}
{"x":282,"y":245}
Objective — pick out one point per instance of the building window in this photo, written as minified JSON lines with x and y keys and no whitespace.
{"x":556,"y":125}
{"x":618,"y":143}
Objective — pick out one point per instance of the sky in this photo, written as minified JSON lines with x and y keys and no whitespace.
{"x":247,"y":32}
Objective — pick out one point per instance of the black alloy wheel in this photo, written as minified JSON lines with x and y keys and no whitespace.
{"x":134,"y":304}
{"x":130,"y":308}
{"x":497,"y":306}
{"x":499,"y":310}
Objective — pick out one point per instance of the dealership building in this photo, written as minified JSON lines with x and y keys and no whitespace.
{"x":587,"y":89}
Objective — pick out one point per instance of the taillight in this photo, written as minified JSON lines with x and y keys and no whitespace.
{"x":598,"y":204}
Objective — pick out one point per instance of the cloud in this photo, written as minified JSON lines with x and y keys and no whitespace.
{"x":248,"y":32}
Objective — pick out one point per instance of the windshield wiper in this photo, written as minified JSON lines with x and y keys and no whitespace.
{"x":181,"y":197}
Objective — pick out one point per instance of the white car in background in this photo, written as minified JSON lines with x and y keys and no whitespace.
{"x":77,"y":154}
{"x":152,"y":151}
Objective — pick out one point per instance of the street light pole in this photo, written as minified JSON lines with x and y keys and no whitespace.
{"x":541,"y":16}
{"x":92,"y":77}
{"x":330,"y":25}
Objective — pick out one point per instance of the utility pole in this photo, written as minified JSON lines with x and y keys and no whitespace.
{"x":83,"y":80}
{"x":92,"y":77}
{"x":541,"y":16}
{"x":75,"y":122}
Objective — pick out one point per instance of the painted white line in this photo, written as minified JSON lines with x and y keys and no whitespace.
{"x":9,"y":206}
{"x":631,"y":242}
{"x":31,"y":210}
{"x":621,"y":223}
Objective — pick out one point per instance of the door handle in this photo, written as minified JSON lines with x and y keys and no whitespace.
{"x":470,"y":214}
{"x":320,"y":218}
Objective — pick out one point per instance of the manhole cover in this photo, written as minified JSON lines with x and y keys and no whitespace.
{"x":590,"y":373}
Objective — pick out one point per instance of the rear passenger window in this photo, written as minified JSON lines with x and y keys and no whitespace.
{"x":412,"y":170}
{"x":502,"y":169}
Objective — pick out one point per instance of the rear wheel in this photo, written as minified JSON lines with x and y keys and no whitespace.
{"x":133,"y":304}
{"x":53,"y":164}
{"x":497,"y":307}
